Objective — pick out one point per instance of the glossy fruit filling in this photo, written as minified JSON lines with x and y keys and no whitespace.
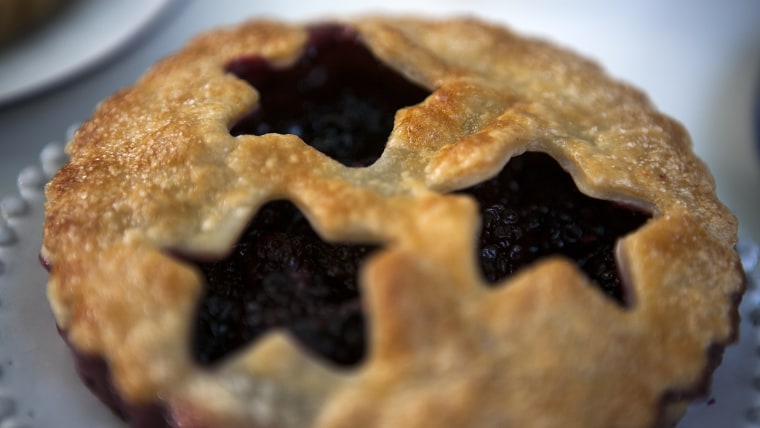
{"x":533,"y":209}
{"x":280,"y":275}
{"x":337,"y":97}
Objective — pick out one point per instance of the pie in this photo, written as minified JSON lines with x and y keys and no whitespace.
{"x":388,"y":221}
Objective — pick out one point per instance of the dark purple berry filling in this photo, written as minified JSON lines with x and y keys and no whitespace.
{"x":533,"y":209}
{"x":342,"y":101}
{"x":280,"y":274}
{"x":337,"y":97}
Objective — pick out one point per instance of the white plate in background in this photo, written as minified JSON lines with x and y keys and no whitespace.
{"x":84,"y":33}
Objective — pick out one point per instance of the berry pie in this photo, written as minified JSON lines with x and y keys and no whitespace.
{"x":388,"y":222}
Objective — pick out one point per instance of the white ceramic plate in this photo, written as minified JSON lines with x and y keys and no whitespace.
{"x":39,"y":387}
{"x":83,"y":34}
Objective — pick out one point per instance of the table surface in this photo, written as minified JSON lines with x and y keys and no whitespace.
{"x":698,"y":61}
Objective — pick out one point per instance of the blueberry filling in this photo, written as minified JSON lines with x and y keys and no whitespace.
{"x":341,"y":100}
{"x":532,"y":209}
{"x":337,"y":97}
{"x":280,"y":274}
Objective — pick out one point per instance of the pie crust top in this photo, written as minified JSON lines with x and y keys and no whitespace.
{"x":155,"y":171}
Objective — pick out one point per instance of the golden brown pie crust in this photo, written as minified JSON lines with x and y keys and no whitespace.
{"x":156,"y":168}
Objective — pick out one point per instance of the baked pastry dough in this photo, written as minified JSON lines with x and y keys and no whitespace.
{"x":157,"y":186}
